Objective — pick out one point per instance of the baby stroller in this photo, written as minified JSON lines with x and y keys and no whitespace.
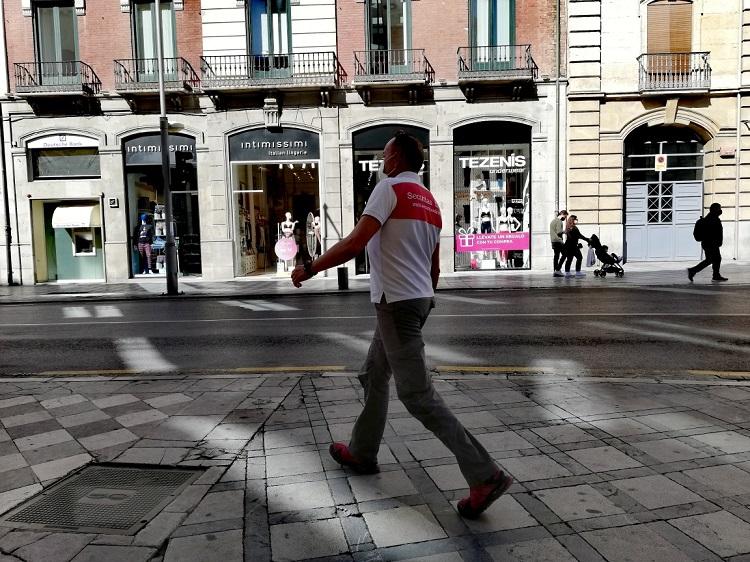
{"x":610,"y":262}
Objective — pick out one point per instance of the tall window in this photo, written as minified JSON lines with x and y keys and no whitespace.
{"x":670,"y":26}
{"x":493,"y":22}
{"x":389,"y":24}
{"x":270,"y":28}
{"x":56,"y":41}
{"x":144,"y":30}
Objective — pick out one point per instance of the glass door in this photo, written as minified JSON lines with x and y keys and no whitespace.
{"x":146,"y":51}
{"x":493,"y":34}
{"x":270,"y":38}
{"x":57,"y":43}
{"x":389,"y":36}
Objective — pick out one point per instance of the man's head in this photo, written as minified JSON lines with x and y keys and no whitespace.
{"x":403,"y":153}
{"x":563,"y":214}
{"x":715,"y":209}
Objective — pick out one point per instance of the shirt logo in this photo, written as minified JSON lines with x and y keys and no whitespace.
{"x":414,"y":202}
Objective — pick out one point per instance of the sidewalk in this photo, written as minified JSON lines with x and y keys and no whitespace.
{"x":605,"y":469}
{"x":637,"y":274}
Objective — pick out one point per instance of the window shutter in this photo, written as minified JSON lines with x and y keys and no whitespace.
{"x":670,"y":26}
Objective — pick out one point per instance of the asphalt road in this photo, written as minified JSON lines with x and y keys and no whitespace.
{"x":636,"y":331}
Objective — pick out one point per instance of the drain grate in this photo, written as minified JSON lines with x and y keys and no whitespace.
{"x":103,"y":499}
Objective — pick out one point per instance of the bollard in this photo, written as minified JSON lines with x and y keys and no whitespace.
{"x":343,"y":273}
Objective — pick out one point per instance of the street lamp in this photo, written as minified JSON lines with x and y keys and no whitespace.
{"x":170,"y":249}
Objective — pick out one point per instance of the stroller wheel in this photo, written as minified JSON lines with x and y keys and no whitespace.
{"x":621,"y":274}
{"x":602,"y":273}
{"x":596,"y":273}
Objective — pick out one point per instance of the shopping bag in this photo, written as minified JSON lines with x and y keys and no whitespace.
{"x":591,"y":258}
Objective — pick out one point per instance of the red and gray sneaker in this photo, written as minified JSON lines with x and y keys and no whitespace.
{"x":482,"y":495}
{"x":341,"y":454}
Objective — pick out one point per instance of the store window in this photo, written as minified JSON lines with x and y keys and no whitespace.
{"x":276,"y":197}
{"x":56,"y":42}
{"x":492,"y":196}
{"x":146,"y":204}
{"x":368,"y":147}
{"x":83,"y":242}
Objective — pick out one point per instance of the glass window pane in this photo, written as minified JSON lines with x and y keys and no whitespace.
{"x":65,"y":162}
{"x":482,"y":32}
{"x":378,"y":16}
{"x":67,"y":33}
{"x":398,"y":25}
{"x":504,"y":23}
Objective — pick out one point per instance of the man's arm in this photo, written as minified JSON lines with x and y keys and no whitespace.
{"x":435,"y":269}
{"x":342,"y":251}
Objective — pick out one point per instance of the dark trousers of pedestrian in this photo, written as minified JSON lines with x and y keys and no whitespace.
{"x":558,"y":256}
{"x":397,"y":349}
{"x":569,"y":255}
{"x":144,"y":253}
{"x":713,"y":258}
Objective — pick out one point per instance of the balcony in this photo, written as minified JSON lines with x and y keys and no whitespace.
{"x":141,"y":76}
{"x":670,"y":72}
{"x":56,"y":78}
{"x":392,"y":66}
{"x":258,"y":72}
{"x":496,"y":63}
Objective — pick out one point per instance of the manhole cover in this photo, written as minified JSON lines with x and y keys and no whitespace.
{"x":102,"y":499}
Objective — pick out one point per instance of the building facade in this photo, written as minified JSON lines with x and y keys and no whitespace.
{"x":278,"y":114}
{"x":658,"y":123}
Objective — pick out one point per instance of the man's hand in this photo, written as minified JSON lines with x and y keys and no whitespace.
{"x":299,"y":275}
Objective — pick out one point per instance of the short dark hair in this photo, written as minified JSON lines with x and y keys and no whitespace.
{"x":715,"y":207}
{"x":410,"y":149}
{"x":562,"y":212}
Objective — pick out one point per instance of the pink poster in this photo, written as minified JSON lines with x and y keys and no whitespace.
{"x":494,"y":241}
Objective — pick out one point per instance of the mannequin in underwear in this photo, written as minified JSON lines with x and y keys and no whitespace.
{"x":485,"y":216}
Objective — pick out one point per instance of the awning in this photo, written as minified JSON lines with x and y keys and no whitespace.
{"x":76,"y":217}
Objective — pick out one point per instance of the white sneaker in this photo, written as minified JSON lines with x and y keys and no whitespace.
{"x":580,"y":274}
{"x":558,"y":273}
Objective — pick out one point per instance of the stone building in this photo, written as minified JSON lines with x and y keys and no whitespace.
{"x":279,"y":110}
{"x":658,"y":123}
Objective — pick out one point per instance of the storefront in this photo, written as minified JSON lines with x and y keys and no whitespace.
{"x":368,"y":147}
{"x":145,"y":204}
{"x":275,"y":183}
{"x":492,"y":196}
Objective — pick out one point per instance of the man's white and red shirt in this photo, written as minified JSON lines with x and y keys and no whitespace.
{"x":401,"y":251}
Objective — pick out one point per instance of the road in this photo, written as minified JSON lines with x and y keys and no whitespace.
{"x":637,"y":331}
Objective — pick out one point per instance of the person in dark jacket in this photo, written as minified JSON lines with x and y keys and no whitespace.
{"x":572,"y":246}
{"x":556,"y":229}
{"x":712,"y":236}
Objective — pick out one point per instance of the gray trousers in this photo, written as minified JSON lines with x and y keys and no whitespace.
{"x":397,"y":348}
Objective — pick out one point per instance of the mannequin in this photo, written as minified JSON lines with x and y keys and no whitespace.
{"x":506,"y":222}
{"x":286,"y":247}
{"x":316,"y":229}
{"x":485,"y":216}
{"x":143,"y":236}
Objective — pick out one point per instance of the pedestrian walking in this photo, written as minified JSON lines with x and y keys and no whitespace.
{"x":401,"y":226}
{"x":710,"y":233}
{"x":556,"y":229}
{"x":572,"y":246}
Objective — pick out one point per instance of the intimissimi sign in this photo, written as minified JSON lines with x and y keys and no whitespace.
{"x":262,"y":145}
{"x":146,"y":149}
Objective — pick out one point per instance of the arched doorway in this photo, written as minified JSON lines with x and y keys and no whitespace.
{"x":663,"y":193}
{"x":368,"y":145}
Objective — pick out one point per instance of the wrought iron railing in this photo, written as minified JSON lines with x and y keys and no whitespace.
{"x":393,"y":65}
{"x":674,"y":71}
{"x":497,"y":61}
{"x":293,"y":69}
{"x":143,"y":74}
{"x":61,"y":76}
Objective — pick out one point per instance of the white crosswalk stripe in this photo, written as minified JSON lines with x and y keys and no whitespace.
{"x":260,"y":305}
{"x":140,"y":355}
{"x":107,"y":311}
{"x":76,"y":312}
{"x":468,"y":300}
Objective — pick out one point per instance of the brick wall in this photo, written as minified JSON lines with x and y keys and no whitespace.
{"x":350,"y":33}
{"x":535,"y":25}
{"x":440,"y":27}
{"x":104,"y":34}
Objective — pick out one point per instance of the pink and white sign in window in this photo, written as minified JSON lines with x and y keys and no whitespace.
{"x":494,"y":241}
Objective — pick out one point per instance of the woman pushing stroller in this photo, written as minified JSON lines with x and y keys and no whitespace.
{"x":572,"y":246}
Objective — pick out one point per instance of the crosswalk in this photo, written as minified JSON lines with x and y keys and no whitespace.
{"x":260,"y":305}
{"x":98,"y":311}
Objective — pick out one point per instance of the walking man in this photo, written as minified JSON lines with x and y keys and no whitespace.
{"x":556,"y":229}
{"x":401,"y":228}
{"x":711,"y":235}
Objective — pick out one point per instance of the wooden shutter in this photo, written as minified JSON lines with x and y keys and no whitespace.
{"x":670,"y":26}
